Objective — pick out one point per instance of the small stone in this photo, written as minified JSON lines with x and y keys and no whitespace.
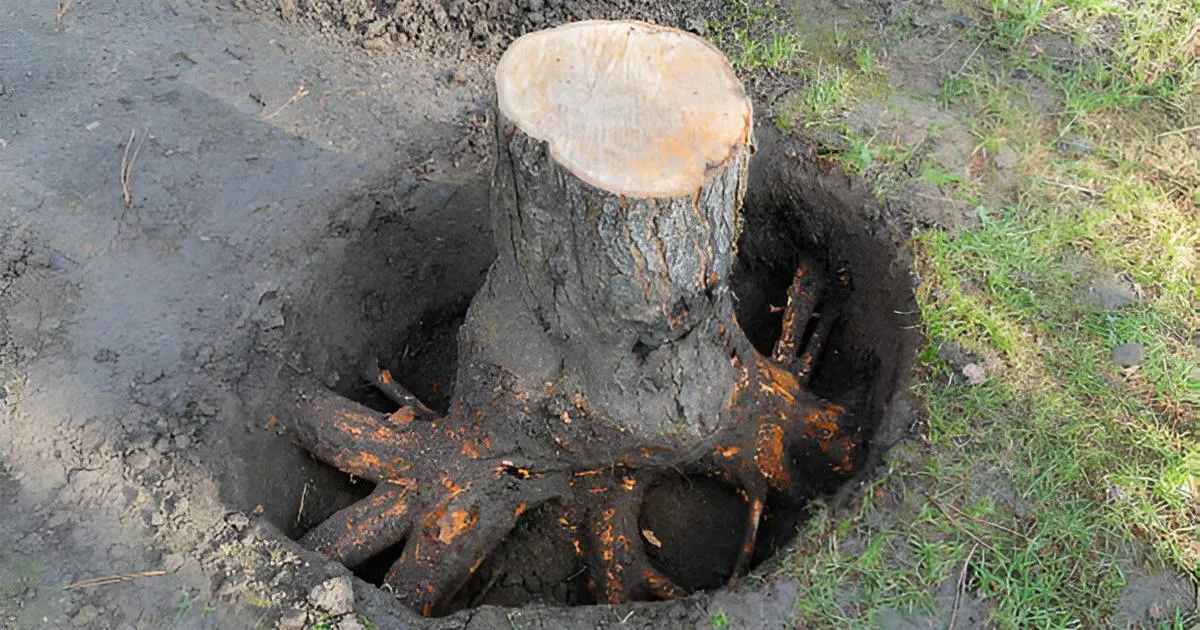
{"x":3,"y":392}
{"x":59,"y":261}
{"x":157,"y":519}
{"x":106,"y":355}
{"x":1075,"y":144}
{"x":293,"y":619}
{"x":975,"y":374}
{"x":92,"y":126}
{"x":182,"y":442}
{"x":536,"y":18}
{"x":962,"y":21}
{"x":350,"y":623}
{"x":238,"y":521}
{"x":334,"y":596}
{"x":172,"y":562}
{"x":1005,"y":158}
{"x":1111,"y":292}
{"x":138,"y":461}
{"x":163,"y":445}
{"x":1128,"y":354}
{"x":204,"y":354}
{"x":534,"y":5}
{"x":58,"y":519}
{"x":86,"y":615}
{"x":22,"y":200}
{"x":696,"y":25}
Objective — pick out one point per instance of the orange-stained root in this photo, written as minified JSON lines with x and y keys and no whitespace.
{"x":455,"y":524}
{"x":749,"y":539}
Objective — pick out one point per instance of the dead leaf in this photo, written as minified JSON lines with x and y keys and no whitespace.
{"x":651,"y":538}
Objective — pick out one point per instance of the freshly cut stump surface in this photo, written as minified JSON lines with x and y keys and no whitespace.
{"x":628,"y":107}
{"x":602,"y":353}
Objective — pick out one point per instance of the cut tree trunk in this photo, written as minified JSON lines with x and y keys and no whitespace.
{"x":603,"y":349}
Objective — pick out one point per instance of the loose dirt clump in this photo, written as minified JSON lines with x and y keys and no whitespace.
{"x":470,"y":29}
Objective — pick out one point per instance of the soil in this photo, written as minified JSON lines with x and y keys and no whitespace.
{"x":307,"y":193}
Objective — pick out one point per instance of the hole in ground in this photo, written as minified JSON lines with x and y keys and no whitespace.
{"x":797,"y":213}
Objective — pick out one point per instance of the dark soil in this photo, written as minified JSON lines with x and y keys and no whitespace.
{"x":471,"y":29}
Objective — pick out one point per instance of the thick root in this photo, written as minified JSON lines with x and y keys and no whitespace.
{"x":454,"y":536}
{"x":364,"y":529}
{"x":621,"y":570}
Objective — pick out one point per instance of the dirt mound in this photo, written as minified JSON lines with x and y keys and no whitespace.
{"x":465,"y":28}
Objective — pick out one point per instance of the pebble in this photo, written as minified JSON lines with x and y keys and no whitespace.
{"x":59,"y":261}
{"x":534,"y":5}
{"x":238,"y":521}
{"x":138,"y":461}
{"x":1109,"y":291}
{"x":172,"y":562}
{"x":1128,"y":354}
{"x":23,"y":200}
{"x":975,"y":374}
{"x":293,"y":619}
{"x":1005,"y":158}
{"x":350,"y":623}
{"x":1075,"y":144}
{"x":86,"y":615}
{"x":334,"y":596}
{"x":58,"y":519}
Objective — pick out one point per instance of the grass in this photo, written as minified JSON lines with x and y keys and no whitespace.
{"x":1037,"y":496}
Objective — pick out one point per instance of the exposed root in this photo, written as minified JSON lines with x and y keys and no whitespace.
{"x":364,"y":529}
{"x":456,"y":533}
{"x":451,"y":493}
{"x":621,"y":570}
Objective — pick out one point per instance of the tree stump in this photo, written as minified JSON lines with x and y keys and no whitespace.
{"x":603,"y":350}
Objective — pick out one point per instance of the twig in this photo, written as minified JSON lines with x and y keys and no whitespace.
{"x":301,"y":92}
{"x":980,"y":520}
{"x":114,"y":579}
{"x":1087,"y":191}
{"x":63,"y":7}
{"x":1177,"y":131}
{"x":303,"y":494}
{"x":127,"y":164}
{"x":969,"y":57}
{"x":943,"y":53}
{"x":962,"y":583}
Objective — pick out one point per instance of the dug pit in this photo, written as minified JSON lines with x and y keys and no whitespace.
{"x":798,"y":212}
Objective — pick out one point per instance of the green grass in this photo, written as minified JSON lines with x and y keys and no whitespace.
{"x":1041,"y":491}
